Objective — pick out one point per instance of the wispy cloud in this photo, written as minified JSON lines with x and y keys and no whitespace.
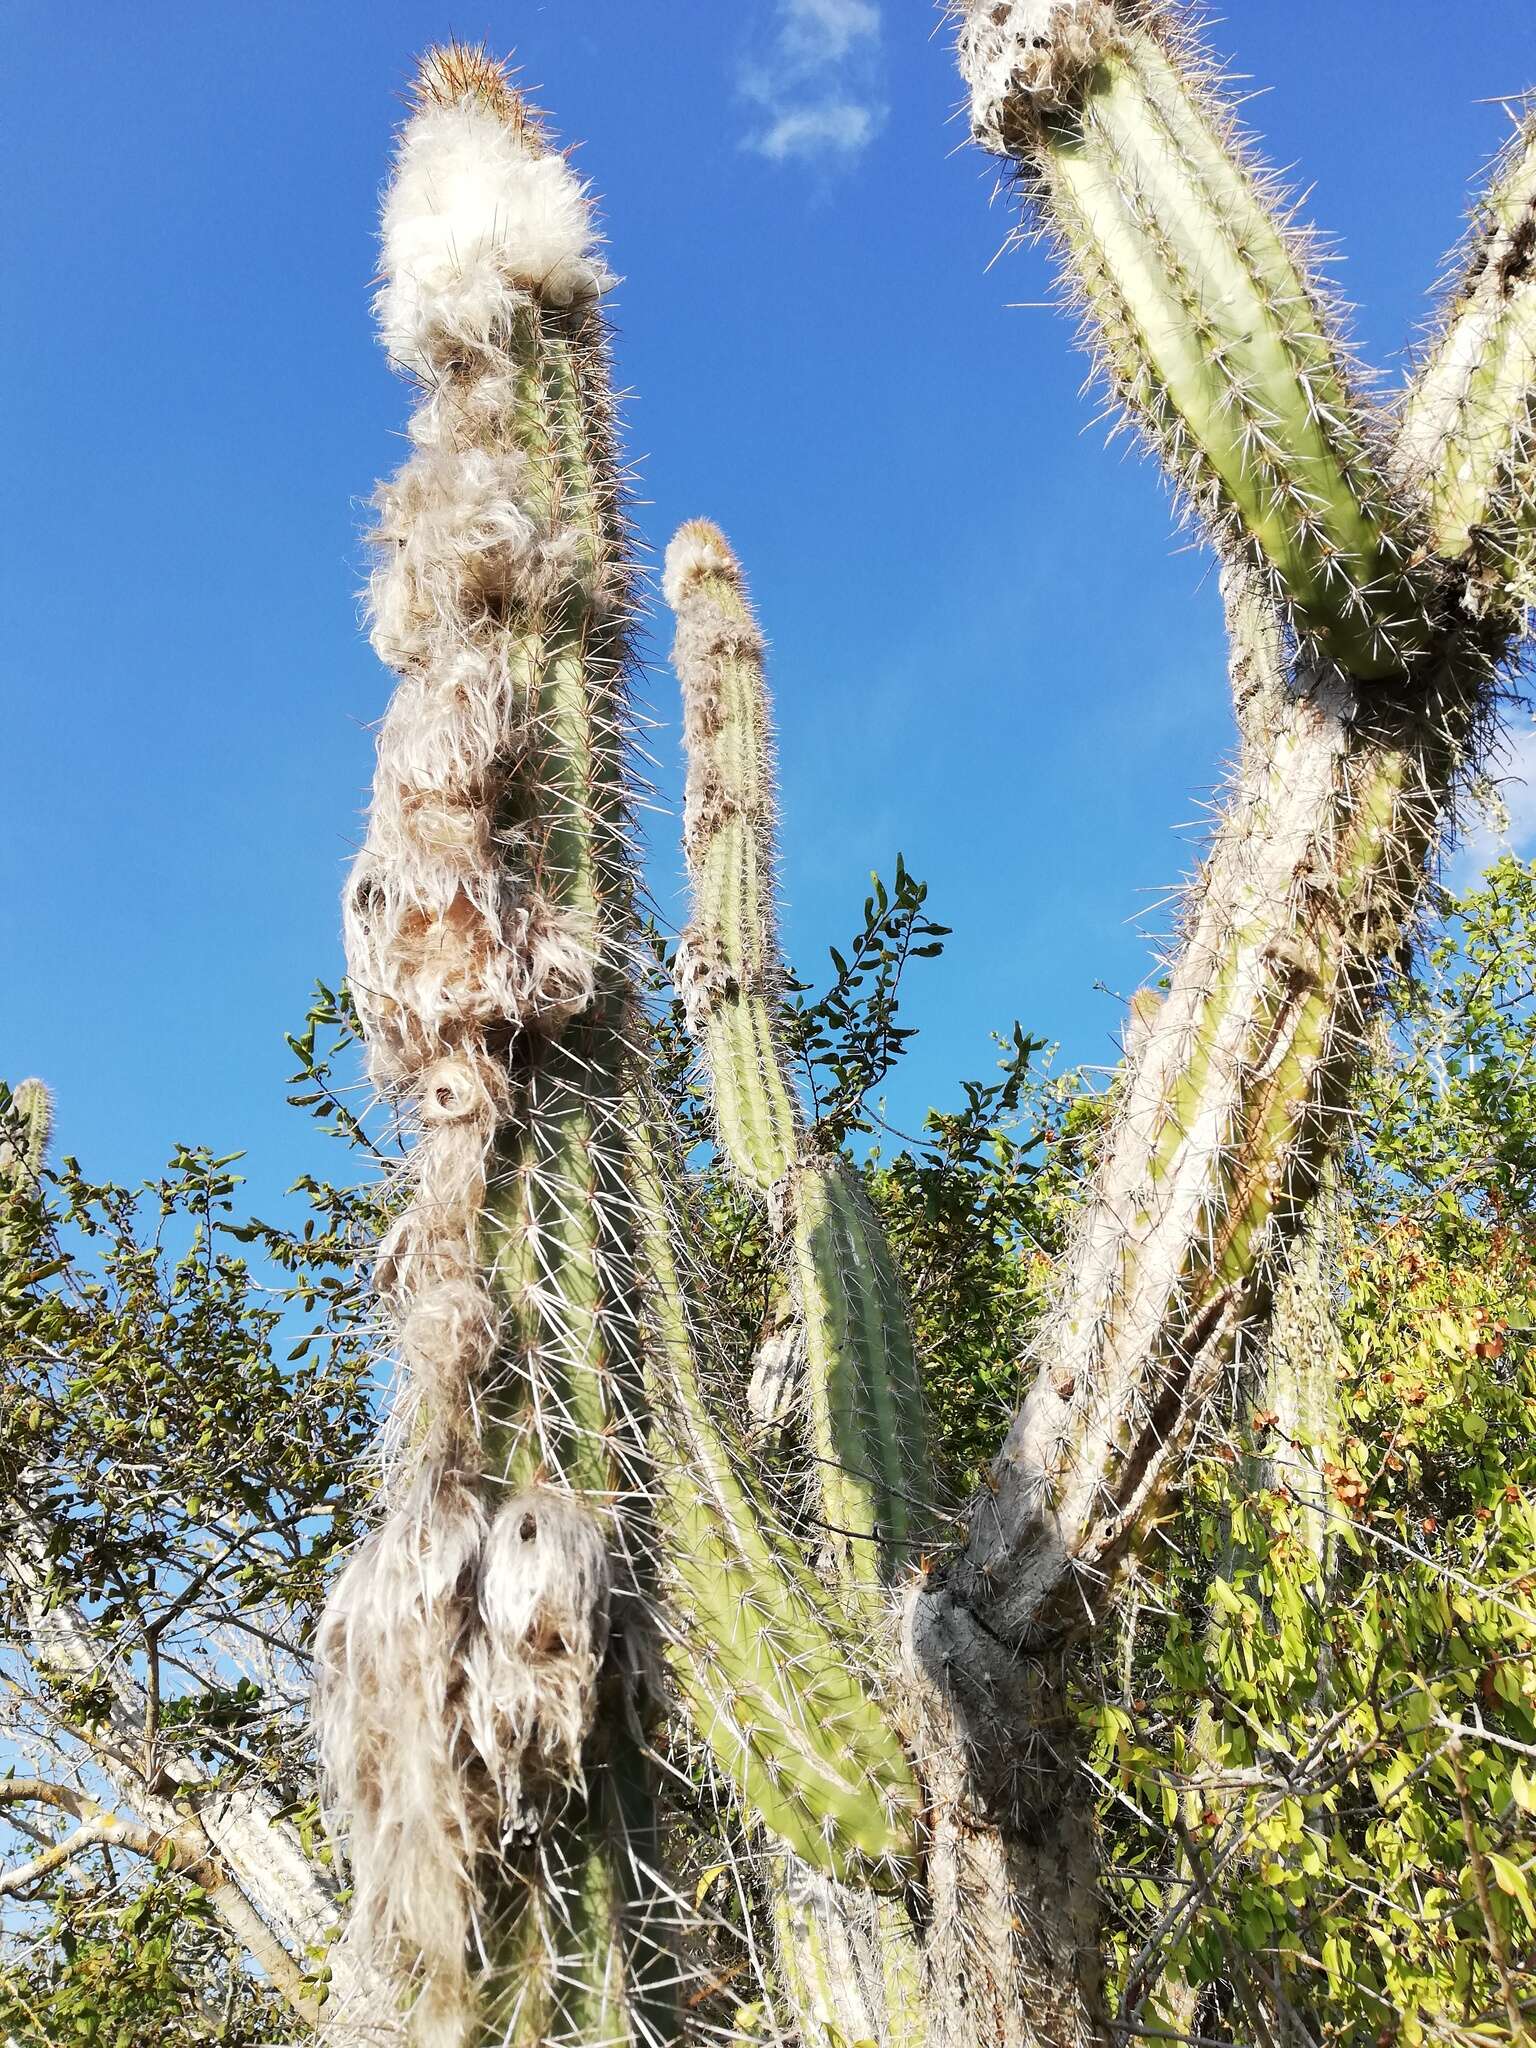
{"x":818,"y":86}
{"x":837,"y":127}
{"x":824,"y":31}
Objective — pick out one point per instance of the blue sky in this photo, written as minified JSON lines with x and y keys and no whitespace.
{"x":990,"y":648}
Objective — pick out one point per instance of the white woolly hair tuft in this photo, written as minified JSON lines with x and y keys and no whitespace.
{"x":388,"y":1712}
{"x":530,"y":1674}
{"x":697,"y":549}
{"x":456,"y":1671}
{"x":474,"y":208}
{"x":1040,"y":49}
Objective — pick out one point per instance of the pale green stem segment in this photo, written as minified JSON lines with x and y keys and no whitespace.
{"x":1214,"y":340}
{"x":1303,"y":1358}
{"x":731,"y":948}
{"x":1230,"y":1111}
{"x":1468,"y":437}
{"x":850,"y":1966}
{"x":770,"y":1681}
{"x":867,"y":1426}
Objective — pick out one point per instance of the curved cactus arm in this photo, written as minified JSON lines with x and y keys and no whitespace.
{"x":769,"y":1680}
{"x":471,"y":1654}
{"x":863,"y":1396}
{"x":1236,"y":1091}
{"x":1199,"y":309}
{"x":1468,"y":436}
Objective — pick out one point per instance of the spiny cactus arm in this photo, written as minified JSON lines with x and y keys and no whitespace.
{"x":865,"y":1411}
{"x":1198,"y":307}
{"x":1468,"y":439}
{"x":1341,"y":814}
{"x":1225,"y":1118}
{"x":471,"y":1647}
{"x":770,"y":1683}
{"x":728,"y":969}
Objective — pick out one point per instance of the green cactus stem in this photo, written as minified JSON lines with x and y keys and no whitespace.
{"x":582,"y":1925}
{"x":867,"y":1426}
{"x":728,"y":967}
{"x":1199,"y":309}
{"x":866,"y":1415}
{"x":771,"y":1683}
{"x":1467,"y":431}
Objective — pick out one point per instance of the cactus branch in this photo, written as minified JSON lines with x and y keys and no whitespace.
{"x":728,"y":970}
{"x":1199,"y":309}
{"x":866,"y":1420}
{"x":770,"y":1680}
{"x":1468,"y":439}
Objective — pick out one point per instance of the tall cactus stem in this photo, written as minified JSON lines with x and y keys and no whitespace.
{"x":728,"y":967}
{"x":1199,"y":309}
{"x":466,"y":1649}
{"x":865,"y":1411}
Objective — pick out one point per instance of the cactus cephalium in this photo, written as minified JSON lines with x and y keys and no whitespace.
{"x":569,"y":1514}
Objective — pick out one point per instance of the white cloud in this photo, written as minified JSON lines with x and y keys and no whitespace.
{"x":824,"y":31}
{"x":840,"y":127}
{"x":818,"y":84}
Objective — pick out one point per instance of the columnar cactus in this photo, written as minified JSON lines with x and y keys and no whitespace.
{"x":472,"y":1646}
{"x":575,"y":1558}
{"x":489,"y":1659}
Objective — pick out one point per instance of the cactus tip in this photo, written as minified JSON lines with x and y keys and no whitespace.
{"x":32,"y":1116}
{"x":482,"y":213}
{"x":454,"y":71}
{"x":698,"y":548}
